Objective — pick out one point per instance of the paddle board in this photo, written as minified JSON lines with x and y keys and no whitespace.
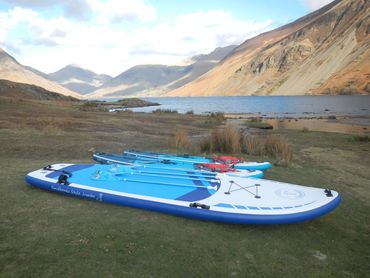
{"x":216,"y":198}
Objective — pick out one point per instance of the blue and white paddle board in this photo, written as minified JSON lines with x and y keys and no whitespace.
{"x":216,"y":198}
{"x":107,"y":158}
{"x":247,"y":165}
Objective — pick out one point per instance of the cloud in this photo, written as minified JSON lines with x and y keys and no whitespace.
{"x":49,"y":43}
{"x":316,"y":4}
{"x":31,"y":3}
{"x":107,"y":11}
{"x":199,"y":32}
{"x":78,"y":9}
{"x":118,"y":11}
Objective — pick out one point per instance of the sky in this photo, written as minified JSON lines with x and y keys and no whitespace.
{"x":110,"y":36}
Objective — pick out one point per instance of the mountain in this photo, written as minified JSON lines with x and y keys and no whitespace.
{"x":11,"y":70}
{"x":156,"y":80}
{"x":325,"y":52}
{"x":27,"y":91}
{"x":79,"y":80}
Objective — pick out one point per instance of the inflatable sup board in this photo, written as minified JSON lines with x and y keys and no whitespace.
{"x":236,"y":163}
{"x":216,"y":198}
{"x":106,"y":158}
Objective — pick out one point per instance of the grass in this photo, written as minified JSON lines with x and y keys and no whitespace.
{"x":48,"y":235}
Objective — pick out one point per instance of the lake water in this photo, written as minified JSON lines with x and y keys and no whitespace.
{"x":268,"y":106}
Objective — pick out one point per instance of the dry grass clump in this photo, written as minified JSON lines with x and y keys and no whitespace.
{"x":231,"y":141}
{"x":205,"y":145}
{"x":182,"y":141}
{"x":253,"y":145}
{"x":225,"y":140}
{"x":278,"y":147}
{"x":222,"y":140}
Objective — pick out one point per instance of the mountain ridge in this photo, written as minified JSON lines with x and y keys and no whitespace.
{"x":12,"y":70}
{"x":12,"y":89}
{"x":78,"y":79}
{"x":156,"y":80}
{"x":302,"y":57}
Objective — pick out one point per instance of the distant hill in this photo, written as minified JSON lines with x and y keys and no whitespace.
{"x":156,"y":80}
{"x":11,"y":70}
{"x":27,"y":91}
{"x":325,"y":52}
{"x":216,"y":55}
{"x":80,"y":80}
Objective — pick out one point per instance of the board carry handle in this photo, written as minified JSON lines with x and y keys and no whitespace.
{"x":199,"y":205}
{"x":63,"y":179}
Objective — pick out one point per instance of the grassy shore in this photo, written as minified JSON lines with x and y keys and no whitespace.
{"x":44,"y":234}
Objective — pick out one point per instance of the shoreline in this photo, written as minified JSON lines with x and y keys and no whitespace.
{"x":349,"y":124}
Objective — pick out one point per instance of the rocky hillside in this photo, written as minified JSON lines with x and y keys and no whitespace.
{"x":325,"y":52}
{"x":156,"y":80}
{"x":11,"y":70}
{"x":80,"y":80}
{"x":26,"y":91}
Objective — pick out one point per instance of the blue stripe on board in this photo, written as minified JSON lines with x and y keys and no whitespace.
{"x":254,"y":208}
{"x":222,"y":205}
{"x":195,"y":195}
{"x":265,"y":208}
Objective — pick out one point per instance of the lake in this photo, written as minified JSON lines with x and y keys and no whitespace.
{"x":267,"y":106}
